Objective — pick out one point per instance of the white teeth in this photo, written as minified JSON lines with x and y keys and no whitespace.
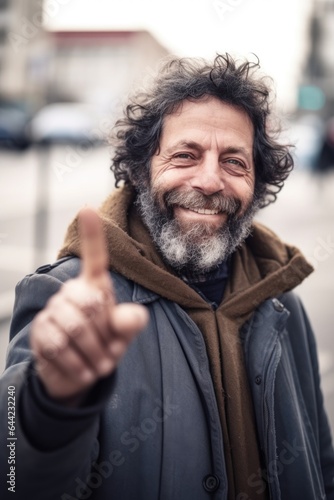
{"x":204,"y":211}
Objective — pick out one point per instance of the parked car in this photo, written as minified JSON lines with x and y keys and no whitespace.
{"x":66,"y":122}
{"x":14,"y":117}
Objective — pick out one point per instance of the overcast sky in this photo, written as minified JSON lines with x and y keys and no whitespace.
{"x":275,"y":30}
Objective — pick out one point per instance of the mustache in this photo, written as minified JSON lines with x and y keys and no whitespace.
{"x":195,"y":199}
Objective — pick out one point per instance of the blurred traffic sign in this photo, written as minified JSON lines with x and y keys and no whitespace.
{"x":311,"y":98}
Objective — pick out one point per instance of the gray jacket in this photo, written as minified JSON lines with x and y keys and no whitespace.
{"x":153,"y":430}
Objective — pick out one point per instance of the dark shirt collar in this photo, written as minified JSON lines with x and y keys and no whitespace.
{"x":221,"y":271}
{"x":210,"y":285}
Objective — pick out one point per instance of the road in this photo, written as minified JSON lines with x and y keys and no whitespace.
{"x":66,"y":178}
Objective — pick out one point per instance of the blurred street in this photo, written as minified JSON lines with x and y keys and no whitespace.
{"x":65,"y":178}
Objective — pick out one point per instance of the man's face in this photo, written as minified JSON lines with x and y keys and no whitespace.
{"x":202,"y":182}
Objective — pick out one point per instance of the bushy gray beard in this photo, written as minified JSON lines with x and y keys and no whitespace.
{"x":199,"y":247}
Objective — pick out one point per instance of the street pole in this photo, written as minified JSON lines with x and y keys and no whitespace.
{"x":42,"y":204}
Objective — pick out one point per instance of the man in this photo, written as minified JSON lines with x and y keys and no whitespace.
{"x":219,"y":395}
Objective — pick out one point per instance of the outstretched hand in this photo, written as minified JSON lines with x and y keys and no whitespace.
{"x":81,"y":334}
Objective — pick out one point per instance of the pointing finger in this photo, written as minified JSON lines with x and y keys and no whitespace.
{"x":93,"y":244}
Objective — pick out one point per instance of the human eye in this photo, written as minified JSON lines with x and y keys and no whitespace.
{"x":183,"y":159}
{"x":234,"y":161}
{"x":234,"y":166}
{"x":183,"y":156}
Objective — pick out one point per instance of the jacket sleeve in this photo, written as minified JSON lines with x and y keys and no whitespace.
{"x":325,"y":438}
{"x":52,"y":448}
{"x":306,"y":359}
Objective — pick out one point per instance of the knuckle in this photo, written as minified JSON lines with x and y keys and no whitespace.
{"x":93,"y":301}
{"x":75,"y":330}
{"x":60,"y":340}
{"x":75,"y":365}
{"x":49,"y":351}
{"x":90,"y":309}
{"x":52,"y":344}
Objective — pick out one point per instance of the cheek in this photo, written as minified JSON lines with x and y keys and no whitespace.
{"x":243,"y":191}
{"x":164,"y":181}
{"x":163,"y":173}
{"x":158,"y":191}
{"x":243,"y":188}
{"x":249,"y":192}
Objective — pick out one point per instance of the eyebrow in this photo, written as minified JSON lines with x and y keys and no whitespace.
{"x":237,"y":150}
{"x":184,"y":144}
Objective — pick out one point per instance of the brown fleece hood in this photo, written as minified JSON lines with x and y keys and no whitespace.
{"x":263,"y":267}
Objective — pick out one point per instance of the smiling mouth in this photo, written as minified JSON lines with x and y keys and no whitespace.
{"x":202,"y":211}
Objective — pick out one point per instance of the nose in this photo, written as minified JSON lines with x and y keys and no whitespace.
{"x":208,"y":177}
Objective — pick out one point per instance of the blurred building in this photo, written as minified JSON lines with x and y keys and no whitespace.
{"x":98,"y":66}
{"x":317,"y":89}
{"x":43,"y":66}
{"x":21,"y":32}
